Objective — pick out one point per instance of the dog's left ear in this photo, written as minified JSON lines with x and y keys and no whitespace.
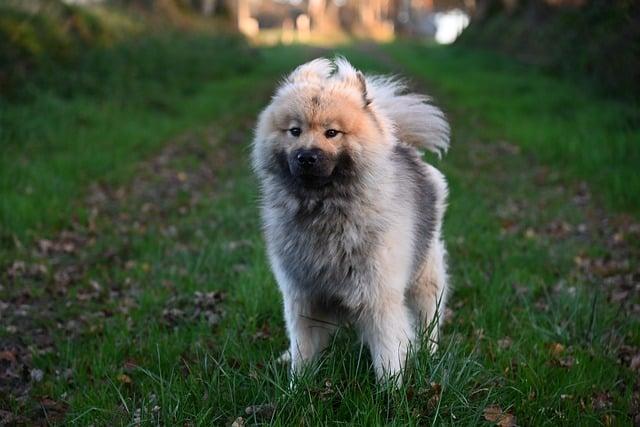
{"x":348,"y":74}
{"x":362,"y":81}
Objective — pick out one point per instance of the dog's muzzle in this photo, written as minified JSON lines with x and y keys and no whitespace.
{"x":311,"y":166}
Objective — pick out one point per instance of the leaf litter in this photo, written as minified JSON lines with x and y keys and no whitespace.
{"x":37,"y":283}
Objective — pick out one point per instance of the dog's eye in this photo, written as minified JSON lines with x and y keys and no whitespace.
{"x":330,"y":133}
{"x":295,"y":132}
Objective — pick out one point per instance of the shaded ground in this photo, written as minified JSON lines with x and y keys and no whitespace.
{"x":67,"y":286}
{"x":160,"y":308}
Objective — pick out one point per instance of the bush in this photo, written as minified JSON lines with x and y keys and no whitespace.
{"x":598,"y":40}
{"x":72,"y":50}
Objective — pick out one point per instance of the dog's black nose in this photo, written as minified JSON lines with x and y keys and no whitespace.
{"x":308,"y":158}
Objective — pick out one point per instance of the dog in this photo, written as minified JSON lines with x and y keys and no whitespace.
{"x":352,"y":215}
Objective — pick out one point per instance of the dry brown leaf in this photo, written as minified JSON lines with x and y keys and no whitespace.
{"x":263,"y":334}
{"x":567,"y":362}
{"x":130,"y":365}
{"x":492,"y":413}
{"x":601,"y":401}
{"x":505,"y":343}
{"x":508,"y":420}
{"x":495,"y":414}
{"x":55,"y":410}
{"x":261,"y":411}
{"x":124,"y":379}
{"x":238,"y":422}
{"x":8,"y":356}
{"x":556,"y":349}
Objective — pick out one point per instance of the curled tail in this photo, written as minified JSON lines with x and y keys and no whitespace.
{"x":415,"y":120}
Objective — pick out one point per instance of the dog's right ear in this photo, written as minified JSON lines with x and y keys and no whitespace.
{"x":318,"y":69}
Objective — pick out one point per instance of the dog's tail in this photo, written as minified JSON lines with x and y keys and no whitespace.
{"x":415,"y":120}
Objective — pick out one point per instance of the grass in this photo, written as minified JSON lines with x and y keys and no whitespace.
{"x":564,"y":125}
{"x":134,"y":344}
{"x":97,"y":118}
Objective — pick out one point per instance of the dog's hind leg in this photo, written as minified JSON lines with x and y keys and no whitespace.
{"x":428,"y":294}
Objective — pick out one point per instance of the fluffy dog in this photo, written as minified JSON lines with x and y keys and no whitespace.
{"x":352,"y":215}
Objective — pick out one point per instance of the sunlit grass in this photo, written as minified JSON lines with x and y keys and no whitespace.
{"x":584,"y":136}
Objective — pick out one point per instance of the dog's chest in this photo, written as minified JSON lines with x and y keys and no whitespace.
{"x":326,"y":248}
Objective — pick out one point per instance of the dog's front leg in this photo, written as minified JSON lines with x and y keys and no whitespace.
{"x":387,"y":329}
{"x":309,"y":332}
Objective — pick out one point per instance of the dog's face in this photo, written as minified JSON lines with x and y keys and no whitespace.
{"x":318,"y":125}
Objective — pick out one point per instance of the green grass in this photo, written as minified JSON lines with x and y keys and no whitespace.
{"x":519,"y":284}
{"x":583,"y":136}
{"x":94,"y":120}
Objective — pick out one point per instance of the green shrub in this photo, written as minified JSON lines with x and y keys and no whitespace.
{"x":598,"y":42}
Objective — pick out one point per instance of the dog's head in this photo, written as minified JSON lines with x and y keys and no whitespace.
{"x":319,"y":125}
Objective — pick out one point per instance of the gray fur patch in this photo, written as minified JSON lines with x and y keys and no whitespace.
{"x":425,"y":195}
{"x":324,"y":243}
{"x":315,"y":242}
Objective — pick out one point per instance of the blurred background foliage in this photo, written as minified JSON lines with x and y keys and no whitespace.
{"x":112,"y":48}
{"x":594,"y":39}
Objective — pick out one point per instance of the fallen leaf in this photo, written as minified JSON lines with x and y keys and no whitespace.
{"x":492,"y":413}
{"x":601,"y":401}
{"x":559,"y":228}
{"x":436,"y":391}
{"x":261,"y":411}
{"x":7,"y":418}
{"x":130,"y":365}
{"x":619,"y":296}
{"x":8,"y":356}
{"x":54,"y":410}
{"x":37,"y":375}
{"x":508,"y":420}
{"x":520,"y":289}
{"x":504,"y":343}
{"x":556,"y":349}
{"x":124,"y":379}
{"x":263,"y":334}
{"x":495,"y":414}
{"x":567,"y":362}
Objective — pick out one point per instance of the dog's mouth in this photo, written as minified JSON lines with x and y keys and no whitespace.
{"x":316,"y":177}
{"x":311,"y":168}
{"x":312,"y":181}
{"x":332,"y":171}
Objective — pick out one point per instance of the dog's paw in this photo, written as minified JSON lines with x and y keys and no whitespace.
{"x":284,"y":357}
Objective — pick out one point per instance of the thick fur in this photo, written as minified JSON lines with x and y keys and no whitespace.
{"x":365,"y":247}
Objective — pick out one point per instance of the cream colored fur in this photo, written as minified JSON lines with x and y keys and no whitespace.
{"x":399,"y":282}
